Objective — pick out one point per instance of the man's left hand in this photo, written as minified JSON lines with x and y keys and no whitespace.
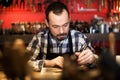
{"x":85,"y":57}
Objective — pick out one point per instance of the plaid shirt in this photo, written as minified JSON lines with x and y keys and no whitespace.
{"x":40,"y":41}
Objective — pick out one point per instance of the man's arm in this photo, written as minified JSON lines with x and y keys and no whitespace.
{"x":86,"y":56}
{"x":56,"y":62}
{"x":33,"y":48}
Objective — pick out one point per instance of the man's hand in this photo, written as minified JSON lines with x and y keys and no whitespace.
{"x":58,"y":61}
{"x":85,"y":57}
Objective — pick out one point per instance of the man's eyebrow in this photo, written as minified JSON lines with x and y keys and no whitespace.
{"x":66,"y":23}
{"x":60,"y":25}
{"x":55,"y":25}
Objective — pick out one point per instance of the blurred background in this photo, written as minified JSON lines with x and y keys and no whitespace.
{"x":21,"y":19}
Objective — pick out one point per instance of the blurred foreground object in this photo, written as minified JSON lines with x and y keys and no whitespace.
{"x":106,"y":67}
{"x":14,"y":64}
{"x":20,"y":46}
{"x":6,"y":3}
{"x":73,"y":71}
{"x":111,"y":38}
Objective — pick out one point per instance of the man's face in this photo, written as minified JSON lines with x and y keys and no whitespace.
{"x":59,"y":24}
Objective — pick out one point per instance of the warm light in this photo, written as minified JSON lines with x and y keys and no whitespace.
{"x":116,"y":7}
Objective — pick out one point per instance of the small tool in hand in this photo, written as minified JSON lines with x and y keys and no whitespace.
{"x":74,"y":57}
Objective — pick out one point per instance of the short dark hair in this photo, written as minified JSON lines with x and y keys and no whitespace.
{"x":57,"y":8}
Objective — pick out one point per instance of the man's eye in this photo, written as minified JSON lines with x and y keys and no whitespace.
{"x":55,"y":26}
{"x":65,"y":25}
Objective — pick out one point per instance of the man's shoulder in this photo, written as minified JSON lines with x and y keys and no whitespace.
{"x":76,"y":33}
{"x":43,"y":32}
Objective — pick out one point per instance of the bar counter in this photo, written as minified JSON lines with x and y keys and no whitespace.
{"x":28,"y":37}
{"x":48,"y":74}
{"x":52,"y":73}
{"x":45,"y":74}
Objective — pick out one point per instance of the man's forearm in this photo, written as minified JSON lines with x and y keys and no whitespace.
{"x":49,"y":63}
{"x":36,"y":65}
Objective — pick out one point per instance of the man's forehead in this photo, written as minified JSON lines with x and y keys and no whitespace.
{"x":58,"y":19}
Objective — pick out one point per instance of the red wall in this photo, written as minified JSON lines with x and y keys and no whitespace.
{"x":9,"y":17}
{"x":21,"y":16}
{"x":13,"y":14}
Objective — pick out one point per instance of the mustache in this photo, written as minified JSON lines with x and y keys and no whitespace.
{"x":62,"y":34}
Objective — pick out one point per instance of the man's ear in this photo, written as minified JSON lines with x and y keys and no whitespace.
{"x":46,"y":22}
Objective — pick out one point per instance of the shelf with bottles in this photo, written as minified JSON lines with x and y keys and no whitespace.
{"x":79,"y":9}
{"x":97,"y":25}
{"x":20,"y":28}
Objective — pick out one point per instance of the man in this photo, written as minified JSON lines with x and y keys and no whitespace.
{"x":58,"y":40}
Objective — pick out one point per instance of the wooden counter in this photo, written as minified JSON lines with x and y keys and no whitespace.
{"x":45,"y":74}
{"x":27,"y":38}
{"x":94,"y":38}
{"x":51,"y":73}
{"x":48,"y":74}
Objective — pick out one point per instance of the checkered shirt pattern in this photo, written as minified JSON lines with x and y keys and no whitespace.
{"x":40,"y":42}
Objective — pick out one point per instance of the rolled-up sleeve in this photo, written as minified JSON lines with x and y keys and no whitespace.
{"x":34,"y":48}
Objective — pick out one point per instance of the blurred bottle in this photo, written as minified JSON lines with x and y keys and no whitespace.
{"x":22,"y":28}
{"x":103,"y":28}
{"x":13,"y":30}
{"x":33,"y":28}
{"x":114,"y":23}
{"x":94,"y":27}
{"x":115,"y":27}
{"x":86,"y":26}
{"x":1,"y":30}
{"x":38,"y":27}
{"x":27,"y":28}
{"x":72,"y":25}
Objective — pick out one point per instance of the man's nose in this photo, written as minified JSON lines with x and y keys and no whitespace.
{"x":61,"y":29}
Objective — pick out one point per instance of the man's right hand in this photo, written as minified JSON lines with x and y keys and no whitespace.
{"x":58,"y":62}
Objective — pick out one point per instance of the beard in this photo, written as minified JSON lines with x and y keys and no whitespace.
{"x":60,"y":37}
